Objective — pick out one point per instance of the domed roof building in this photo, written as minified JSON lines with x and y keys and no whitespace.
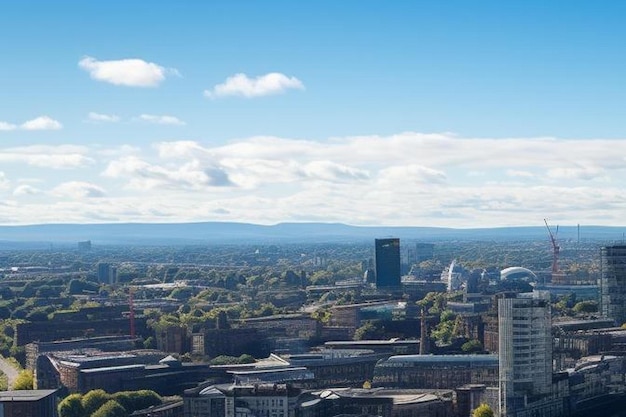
{"x":517,"y":273}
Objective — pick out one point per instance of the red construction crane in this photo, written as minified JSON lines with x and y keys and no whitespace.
{"x":555,"y":248}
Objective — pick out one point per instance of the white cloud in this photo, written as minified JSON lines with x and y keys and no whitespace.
{"x":332,"y":171}
{"x":4,"y":182}
{"x":78,"y":190}
{"x":263,"y":85}
{"x":38,"y":123}
{"x":99,"y":117}
{"x":5,"y":126}
{"x":41,"y":123}
{"x":126,"y":72}
{"x":180,"y":149}
{"x":519,"y":173}
{"x":409,"y":175}
{"x":161,"y":120}
{"x":122,"y":150}
{"x":57,"y":157}
{"x":578,"y":173}
{"x":403,"y":179}
{"x":145,"y":176}
{"x":25,"y":189}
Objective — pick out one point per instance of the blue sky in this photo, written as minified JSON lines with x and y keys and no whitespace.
{"x":425,"y":113}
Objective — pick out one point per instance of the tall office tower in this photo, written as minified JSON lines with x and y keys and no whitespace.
{"x":525,"y":351}
{"x":387,"y":263}
{"x":613,"y":283}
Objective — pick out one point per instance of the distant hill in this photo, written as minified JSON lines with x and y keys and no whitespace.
{"x":225,"y":232}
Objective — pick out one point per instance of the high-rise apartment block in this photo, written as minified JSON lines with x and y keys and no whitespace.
{"x":387,"y":263}
{"x":613,"y":283}
{"x":525,"y":352}
{"x":107,"y":273}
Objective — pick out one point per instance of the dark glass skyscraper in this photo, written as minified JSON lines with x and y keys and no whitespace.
{"x":613,"y":283}
{"x":387,"y":263}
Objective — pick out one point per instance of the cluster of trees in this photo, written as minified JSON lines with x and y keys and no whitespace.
{"x":568,"y":306}
{"x":232,"y":360}
{"x":25,"y":380}
{"x":483,"y":410}
{"x":99,"y":403}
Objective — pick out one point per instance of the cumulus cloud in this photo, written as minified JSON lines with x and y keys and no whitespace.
{"x":332,"y":171}
{"x":180,"y":149}
{"x":126,"y":72}
{"x":4,"y":182}
{"x":411,"y":174}
{"x":42,"y":123}
{"x":7,"y":126}
{"x":100,"y":117}
{"x":78,"y":190}
{"x":25,"y":189}
{"x":161,"y":119}
{"x":57,"y":157}
{"x":263,"y":85}
{"x":404,"y":179}
{"x":519,"y":174}
{"x":577,"y":173}
{"x":143,"y":175}
{"x":38,"y":123}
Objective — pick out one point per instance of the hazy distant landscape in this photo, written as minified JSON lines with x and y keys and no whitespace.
{"x":227,"y":232}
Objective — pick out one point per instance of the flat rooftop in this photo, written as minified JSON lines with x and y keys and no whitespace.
{"x":25,"y":395}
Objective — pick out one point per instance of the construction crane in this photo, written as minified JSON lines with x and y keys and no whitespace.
{"x":555,"y":248}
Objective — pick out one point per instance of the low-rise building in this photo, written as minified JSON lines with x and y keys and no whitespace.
{"x":277,"y":400}
{"x":376,"y":402}
{"x":338,"y":368}
{"x":436,"y":371}
{"x":124,"y":371}
{"x":28,"y":403}
{"x":103,"y":343}
{"x":167,"y":409}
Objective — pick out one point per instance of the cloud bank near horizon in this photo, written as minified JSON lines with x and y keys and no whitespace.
{"x":410,"y":178}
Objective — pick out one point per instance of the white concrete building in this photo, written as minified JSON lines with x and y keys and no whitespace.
{"x":525,"y":352}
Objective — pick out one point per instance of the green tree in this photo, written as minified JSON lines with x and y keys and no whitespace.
{"x":433,"y":302}
{"x":447,"y":315}
{"x":266,"y":309}
{"x":483,"y":410}
{"x":442,"y":333}
{"x":110,"y":409}
{"x":93,"y":400}
{"x":24,"y":380}
{"x":368,"y":331}
{"x":182,"y":293}
{"x":472,"y":346}
{"x":149,"y":343}
{"x":586,"y":307}
{"x":137,"y":400}
{"x":230,"y":360}
{"x":245,"y":358}
{"x":71,"y":406}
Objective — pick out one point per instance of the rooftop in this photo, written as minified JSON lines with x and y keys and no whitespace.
{"x":25,"y":395}
{"x":475,"y":359}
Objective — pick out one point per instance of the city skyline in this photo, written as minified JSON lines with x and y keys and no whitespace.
{"x":363,"y":113}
